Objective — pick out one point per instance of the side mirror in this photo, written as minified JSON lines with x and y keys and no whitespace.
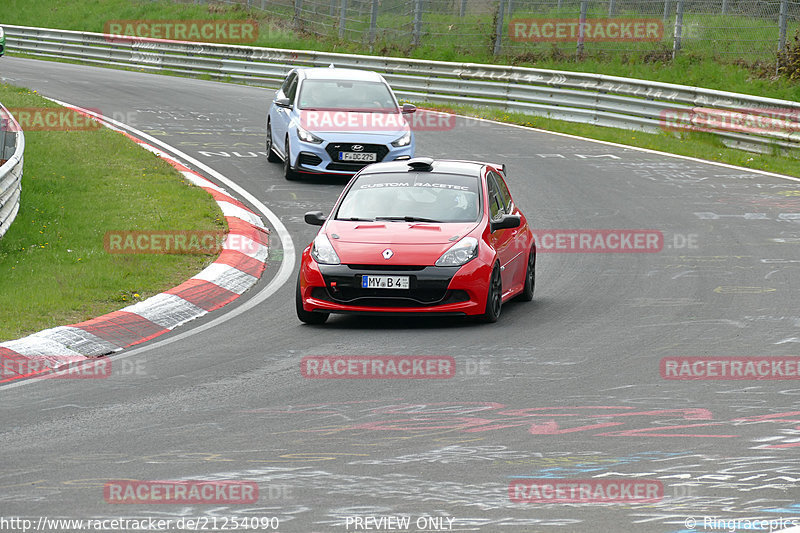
{"x":409,"y":108}
{"x":315,"y":218}
{"x":283,"y":102}
{"x":505,"y":222}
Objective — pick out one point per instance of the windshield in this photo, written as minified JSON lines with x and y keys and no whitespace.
{"x":412,"y":197}
{"x":347,"y":95}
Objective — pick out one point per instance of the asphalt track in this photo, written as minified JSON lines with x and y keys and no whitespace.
{"x":567,"y":386}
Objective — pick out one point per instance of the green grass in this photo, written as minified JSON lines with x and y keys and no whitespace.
{"x":76,"y":186}
{"x":710,"y":58}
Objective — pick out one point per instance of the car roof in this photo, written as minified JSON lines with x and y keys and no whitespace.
{"x":440,"y":166}
{"x":327,"y":73}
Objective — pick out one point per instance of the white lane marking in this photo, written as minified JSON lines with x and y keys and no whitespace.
{"x":637,"y":148}
{"x":283,"y":275}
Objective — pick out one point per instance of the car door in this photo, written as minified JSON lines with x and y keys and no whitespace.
{"x":502,"y":240}
{"x":519,"y":261}
{"x":281,"y":116}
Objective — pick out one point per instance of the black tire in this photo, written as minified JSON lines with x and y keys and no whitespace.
{"x":272,"y":157}
{"x":530,"y":278}
{"x":288,"y":171}
{"x":494,"y":297}
{"x":309,"y":317}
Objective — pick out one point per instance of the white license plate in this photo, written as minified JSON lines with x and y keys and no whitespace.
{"x":358,"y":156}
{"x":384,"y":282}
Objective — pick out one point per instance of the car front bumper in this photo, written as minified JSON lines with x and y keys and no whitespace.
{"x":433,"y":290}
{"x":323,"y":158}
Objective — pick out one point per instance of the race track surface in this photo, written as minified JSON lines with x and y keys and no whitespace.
{"x":567,"y":386}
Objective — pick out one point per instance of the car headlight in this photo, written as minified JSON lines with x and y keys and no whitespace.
{"x":460,"y":253}
{"x":322,"y":251}
{"x":307,"y":136}
{"x":405,"y":140}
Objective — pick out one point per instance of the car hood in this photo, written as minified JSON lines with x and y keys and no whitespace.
{"x":410,"y":242}
{"x":355,"y":123}
{"x":391,"y":232}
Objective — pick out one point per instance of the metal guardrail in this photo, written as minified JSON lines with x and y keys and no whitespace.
{"x":12,"y":146}
{"x":743,"y":121}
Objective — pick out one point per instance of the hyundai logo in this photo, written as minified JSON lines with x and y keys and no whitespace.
{"x":357,"y":148}
{"x":388,"y":253}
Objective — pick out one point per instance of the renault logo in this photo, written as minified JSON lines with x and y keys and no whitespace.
{"x":388,"y":253}
{"x":357,"y":148}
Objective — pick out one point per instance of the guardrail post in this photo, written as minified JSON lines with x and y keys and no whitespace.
{"x":667,"y":6}
{"x":3,"y":127}
{"x":676,"y":38}
{"x":463,"y":9}
{"x":498,"y":31}
{"x":782,"y":25}
{"x":611,"y":8}
{"x":298,"y":5}
{"x":724,"y":7}
{"x":581,"y":27}
{"x":510,"y":4}
{"x":332,"y":11}
{"x":417,"y":22}
{"x":342,"y":18}
{"x":373,"y":21}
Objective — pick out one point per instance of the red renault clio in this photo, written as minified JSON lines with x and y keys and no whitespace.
{"x":418,"y":237}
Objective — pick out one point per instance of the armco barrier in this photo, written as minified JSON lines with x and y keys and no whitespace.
{"x":744,"y":121}
{"x":12,"y":146}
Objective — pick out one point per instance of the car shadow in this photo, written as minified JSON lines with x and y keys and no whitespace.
{"x":512,"y":311}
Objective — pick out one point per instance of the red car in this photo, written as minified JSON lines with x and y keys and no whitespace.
{"x":418,"y":237}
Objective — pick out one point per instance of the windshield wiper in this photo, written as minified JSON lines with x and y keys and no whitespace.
{"x":408,"y":219}
{"x":357,"y":219}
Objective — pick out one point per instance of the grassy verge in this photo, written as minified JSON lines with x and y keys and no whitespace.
{"x":690,"y":143}
{"x":706,"y":61}
{"x":77,"y":185}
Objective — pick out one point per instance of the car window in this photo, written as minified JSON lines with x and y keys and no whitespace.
{"x":496,"y":208}
{"x":502,"y":188}
{"x":346,"y":95}
{"x":291,"y":90}
{"x":435,"y":197}
{"x":291,"y":78}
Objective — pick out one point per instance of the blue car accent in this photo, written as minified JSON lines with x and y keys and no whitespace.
{"x":336,"y":121}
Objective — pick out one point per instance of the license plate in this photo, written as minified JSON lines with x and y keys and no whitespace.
{"x":358,"y":156}
{"x":384,"y":282}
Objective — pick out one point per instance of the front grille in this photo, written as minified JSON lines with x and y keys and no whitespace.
{"x":307,"y":159}
{"x":333,"y":150}
{"x":428,"y":286}
{"x":432,"y":298}
{"x":388,"y":268}
{"x":346,"y":167}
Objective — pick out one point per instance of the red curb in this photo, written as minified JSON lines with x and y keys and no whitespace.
{"x":11,"y":355}
{"x":237,"y":226}
{"x":122,"y":328}
{"x":242,"y":262}
{"x":222,"y":197}
{"x":203,"y":294}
